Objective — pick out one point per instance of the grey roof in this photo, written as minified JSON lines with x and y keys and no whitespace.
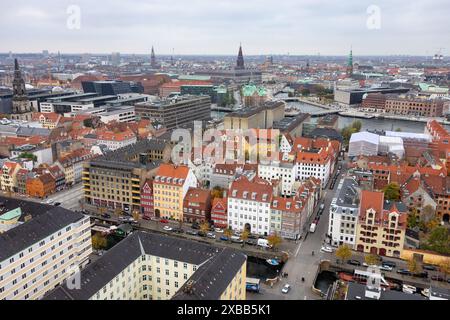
{"x":289,"y":123}
{"x":45,"y":220}
{"x":27,"y":131}
{"x":120,"y":158}
{"x":219,"y":265}
{"x":347,"y":195}
{"x":326,"y":132}
{"x":400,"y":205}
{"x":358,"y":290}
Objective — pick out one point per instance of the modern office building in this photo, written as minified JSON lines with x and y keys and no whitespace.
{"x":148,"y":266}
{"x":106,"y":87}
{"x":177,"y":111}
{"x":115,"y":179}
{"x":41,"y":246}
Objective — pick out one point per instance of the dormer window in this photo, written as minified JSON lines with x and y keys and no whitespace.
{"x":234,"y":193}
{"x":244,"y":195}
{"x":253,"y":195}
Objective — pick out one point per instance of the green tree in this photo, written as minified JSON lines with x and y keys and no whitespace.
{"x":439,"y":240}
{"x":444,"y":267}
{"x":357,"y":125}
{"x":392,"y":192}
{"x":343,"y":253}
{"x":274,"y":240}
{"x":371,"y":259}
{"x":305,"y":92}
{"x":99,"y":242}
{"x":29,"y":156}
{"x":398,"y":130}
{"x":413,"y":219}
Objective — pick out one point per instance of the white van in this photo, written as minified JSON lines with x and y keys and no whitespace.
{"x":312,"y":228}
{"x":263,"y":243}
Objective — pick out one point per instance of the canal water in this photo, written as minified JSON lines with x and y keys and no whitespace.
{"x":366,"y":124}
{"x":260,"y":269}
{"x":324,"y":280}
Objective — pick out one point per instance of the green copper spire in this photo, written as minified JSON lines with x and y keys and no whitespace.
{"x":350,"y":63}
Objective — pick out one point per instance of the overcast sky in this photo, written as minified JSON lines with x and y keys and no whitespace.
{"x":416,"y":27}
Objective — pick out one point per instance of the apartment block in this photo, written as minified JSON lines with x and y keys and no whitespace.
{"x":41,"y":247}
{"x":147,"y":266}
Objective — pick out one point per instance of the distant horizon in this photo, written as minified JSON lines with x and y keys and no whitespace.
{"x":298,"y":27}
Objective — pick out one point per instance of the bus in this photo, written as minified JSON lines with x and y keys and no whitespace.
{"x":253,"y":284}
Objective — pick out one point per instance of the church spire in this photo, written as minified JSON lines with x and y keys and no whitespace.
{"x":153,"y":58}
{"x":350,"y":63}
{"x":240,"y":59}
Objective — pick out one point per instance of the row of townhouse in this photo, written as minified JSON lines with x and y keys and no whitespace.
{"x":365,"y":221}
{"x":22,"y":177}
{"x":38,"y":182}
{"x":256,"y":205}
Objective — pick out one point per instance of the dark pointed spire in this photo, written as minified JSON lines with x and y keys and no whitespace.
{"x":16,"y":65}
{"x":153,"y":58}
{"x":240,"y":59}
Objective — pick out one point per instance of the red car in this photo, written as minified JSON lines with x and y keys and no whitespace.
{"x":146,"y":218}
{"x":164,"y":221}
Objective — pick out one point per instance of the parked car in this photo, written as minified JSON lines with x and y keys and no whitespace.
{"x":404,"y":272}
{"x":429,"y":267}
{"x":326,"y":249}
{"x":167,"y":228}
{"x":218,"y":230}
{"x":385,"y":267}
{"x":192,"y":232}
{"x":286,"y":288}
{"x":236,"y":239}
{"x":164,"y":221}
{"x":437,"y":278}
{"x":251,"y":242}
{"x":178,"y":230}
{"x":389,"y":263}
{"x":211,"y":235}
{"x":354,"y":262}
{"x":106,"y":215}
{"x":224,"y":238}
{"x":195,"y":226}
{"x":49,"y":201}
{"x":57,"y":204}
{"x":146,"y":218}
{"x":422,"y":274}
{"x":201,"y":234}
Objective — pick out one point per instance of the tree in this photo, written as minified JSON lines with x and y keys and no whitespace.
{"x":136,"y":215}
{"x":29,"y":156}
{"x":347,"y":131}
{"x":204,"y":227}
{"x":392,"y":192}
{"x":305,"y":92}
{"x":274,"y":240}
{"x":439,"y":240}
{"x":413,"y":266}
{"x":371,"y":259}
{"x":244,"y":235}
{"x":344,"y":252}
{"x":398,"y":130}
{"x":228,"y":233}
{"x":445,"y":268}
{"x":357,"y":125}
{"x":217,"y":192}
{"x":99,"y":242}
{"x":118,"y":211}
{"x":413,"y":219}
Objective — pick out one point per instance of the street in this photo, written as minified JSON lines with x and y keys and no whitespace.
{"x":69,"y":198}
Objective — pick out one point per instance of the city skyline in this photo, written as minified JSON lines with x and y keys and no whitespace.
{"x":294,"y":27}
